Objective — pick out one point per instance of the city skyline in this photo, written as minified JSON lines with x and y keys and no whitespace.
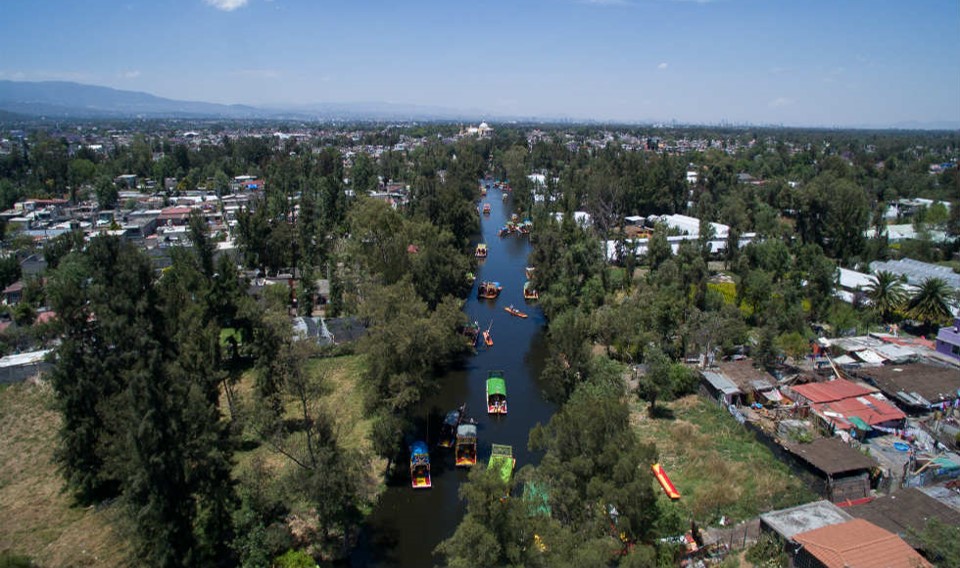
{"x":735,"y":61}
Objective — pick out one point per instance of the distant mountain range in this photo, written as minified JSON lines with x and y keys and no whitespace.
{"x":62,"y":99}
{"x":65,"y":100}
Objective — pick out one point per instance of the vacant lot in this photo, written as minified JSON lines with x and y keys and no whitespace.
{"x":716,"y":465}
{"x":37,"y":519}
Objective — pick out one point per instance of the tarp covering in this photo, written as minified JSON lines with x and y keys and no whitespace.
{"x":452,"y":417}
{"x":467,"y":431}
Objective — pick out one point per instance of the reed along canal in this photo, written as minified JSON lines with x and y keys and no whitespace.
{"x":407,"y":524}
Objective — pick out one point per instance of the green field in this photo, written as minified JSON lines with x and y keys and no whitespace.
{"x":716,"y":464}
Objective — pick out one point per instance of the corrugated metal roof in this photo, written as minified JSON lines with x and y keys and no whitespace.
{"x":916,"y":271}
{"x":24,"y":358}
{"x":720,"y":382}
{"x":829,"y":391}
{"x":861,"y":544}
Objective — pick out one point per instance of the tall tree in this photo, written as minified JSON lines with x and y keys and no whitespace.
{"x":886,"y":294}
{"x":931,"y":302}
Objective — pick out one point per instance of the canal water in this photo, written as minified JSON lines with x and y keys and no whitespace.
{"x":408,"y":524}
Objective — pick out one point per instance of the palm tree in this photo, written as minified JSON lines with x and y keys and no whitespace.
{"x":886,"y":294}
{"x":931,"y":302}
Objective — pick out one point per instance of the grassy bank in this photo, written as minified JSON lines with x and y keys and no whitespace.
{"x":38,"y":519}
{"x":342,"y":399}
{"x":716,"y":464}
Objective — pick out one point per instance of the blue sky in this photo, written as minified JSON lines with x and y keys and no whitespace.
{"x":803,"y":62}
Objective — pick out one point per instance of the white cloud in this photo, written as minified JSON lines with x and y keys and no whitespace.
{"x":780,"y":102}
{"x":132,"y":74}
{"x":663,"y":65}
{"x":227,"y":5}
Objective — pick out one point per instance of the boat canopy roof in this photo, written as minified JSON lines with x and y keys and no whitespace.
{"x":496,"y":386}
{"x":494,"y":374}
{"x":452,"y":417}
{"x":501,"y":460}
{"x":467,"y":431}
{"x":419,"y":448}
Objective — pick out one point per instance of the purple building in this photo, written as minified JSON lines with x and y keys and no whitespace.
{"x":948,"y":340}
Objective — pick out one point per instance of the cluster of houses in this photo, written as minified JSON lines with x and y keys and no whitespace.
{"x":639,"y":230}
{"x":872,"y":424}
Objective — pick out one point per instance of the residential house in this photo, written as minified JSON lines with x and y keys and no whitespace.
{"x":787,"y":523}
{"x":13,"y":293}
{"x":857,"y":543}
{"x":845,"y":405}
{"x":716,"y":386}
{"x":842,"y":474}
{"x":906,"y":513}
{"x":15,"y":368}
{"x":917,"y":387}
{"x":948,"y":340}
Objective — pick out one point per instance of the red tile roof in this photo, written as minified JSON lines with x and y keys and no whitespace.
{"x":837,"y":389}
{"x":861,"y":544}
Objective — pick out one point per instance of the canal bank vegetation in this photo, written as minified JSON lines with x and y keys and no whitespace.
{"x":192,"y":413}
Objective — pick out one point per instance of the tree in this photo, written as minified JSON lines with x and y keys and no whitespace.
{"x":655,"y":383}
{"x":940,"y":543}
{"x":104,"y":301}
{"x":658,"y":249}
{"x":106,"y":193}
{"x":931,"y":302}
{"x":886,"y":294}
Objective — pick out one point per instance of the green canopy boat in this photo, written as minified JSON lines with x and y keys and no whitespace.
{"x":502,"y":461}
{"x":496,"y":393}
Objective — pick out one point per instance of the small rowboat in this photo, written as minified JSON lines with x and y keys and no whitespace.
{"x":514,"y":312}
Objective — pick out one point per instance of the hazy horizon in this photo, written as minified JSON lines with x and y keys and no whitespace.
{"x":817,"y":63}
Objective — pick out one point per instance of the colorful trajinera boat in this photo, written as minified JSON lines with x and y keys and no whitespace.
{"x":496,"y":393}
{"x":448,"y":430}
{"x":515,"y":312}
{"x":465,"y":453}
{"x":529,"y":293}
{"x":481,"y":250}
{"x":420,"y":466}
{"x":489,"y":290}
{"x":486,"y":208}
{"x":502,"y":461}
{"x":471,"y":332}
